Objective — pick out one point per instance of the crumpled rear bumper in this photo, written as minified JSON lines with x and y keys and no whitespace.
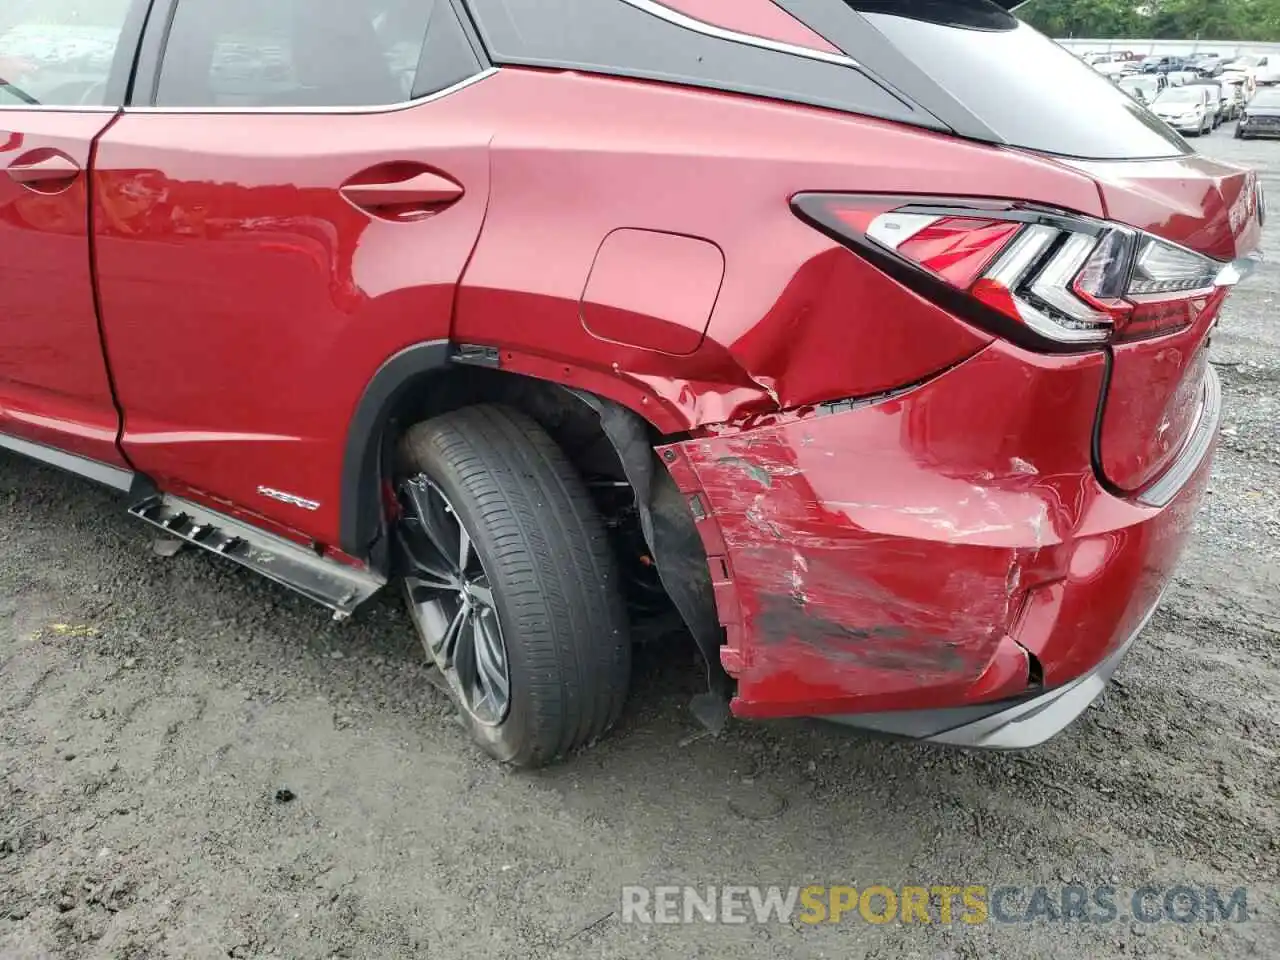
{"x":948,"y":548}
{"x":1006,"y":725}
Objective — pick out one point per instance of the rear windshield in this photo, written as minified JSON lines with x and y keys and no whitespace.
{"x":1031,"y":92}
{"x":1189,"y":94}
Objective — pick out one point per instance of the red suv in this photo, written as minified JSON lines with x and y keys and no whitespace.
{"x":866,"y":339}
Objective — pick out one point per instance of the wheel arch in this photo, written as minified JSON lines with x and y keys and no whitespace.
{"x":360,"y":522}
{"x":432,"y":378}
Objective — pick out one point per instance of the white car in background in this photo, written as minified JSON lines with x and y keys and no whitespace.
{"x":1116,"y":68}
{"x":1267,"y":74}
{"x":1189,"y":109}
{"x":1247,"y":64}
{"x":1143,"y":87}
{"x":1178,"y":78}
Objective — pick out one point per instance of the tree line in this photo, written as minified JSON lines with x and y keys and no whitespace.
{"x":1156,"y":19}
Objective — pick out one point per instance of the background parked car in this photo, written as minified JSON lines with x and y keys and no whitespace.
{"x":1247,"y":63}
{"x":1190,"y":109}
{"x":1236,"y":89}
{"x":1208,"y":64}
{"x":1261,"y":118}
{"x":1144,"y":87}
{"x":1245,"y":78}
{"x":1221,"y":104}
{"x":1178,"y":78}
{"x":1116,"y":68}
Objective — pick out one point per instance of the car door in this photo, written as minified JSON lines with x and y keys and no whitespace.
{"x":63,"y":72}
{"x":290,"y":205}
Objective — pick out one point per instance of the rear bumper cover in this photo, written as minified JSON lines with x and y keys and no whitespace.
{"x":931,"y":564}
{"x":1016,"y":725}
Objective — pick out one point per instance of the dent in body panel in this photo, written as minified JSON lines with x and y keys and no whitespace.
{"x":799,"y":319}
{"x":886,"y":551}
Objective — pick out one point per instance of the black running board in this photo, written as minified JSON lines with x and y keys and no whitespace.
{"x":339,"y":587}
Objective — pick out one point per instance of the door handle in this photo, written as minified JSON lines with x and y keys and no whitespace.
{"x":418,"y":196}
{"x":49,"y":171}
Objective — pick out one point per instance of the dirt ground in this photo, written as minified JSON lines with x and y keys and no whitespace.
{"x":194,"y":763}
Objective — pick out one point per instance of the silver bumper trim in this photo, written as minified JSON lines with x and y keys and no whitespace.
{"x":1032,"y":722}
{"x":1162,"y":492}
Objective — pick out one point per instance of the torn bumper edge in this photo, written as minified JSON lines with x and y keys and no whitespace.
{"x":1003,"y":726}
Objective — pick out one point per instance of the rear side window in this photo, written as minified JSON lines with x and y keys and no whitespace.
{"x":1024,"y":88}
{"x":311,"y":53}
{"x":58,"y":53}
{"x":637,"y":38}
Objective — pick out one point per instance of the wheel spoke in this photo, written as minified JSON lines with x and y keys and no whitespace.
{"x":492,"y":661}
{"x":484,"y":671}
{"x":429,"y":574}
{"x":448,"y":648}
{"x":464,"y":550}
{"x":431,"y":518}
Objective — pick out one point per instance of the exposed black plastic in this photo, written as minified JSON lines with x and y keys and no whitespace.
{"x":362,"y":470}
{"x":614,"y":37}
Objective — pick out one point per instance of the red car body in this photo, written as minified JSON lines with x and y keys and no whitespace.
{"x":912,"y":522}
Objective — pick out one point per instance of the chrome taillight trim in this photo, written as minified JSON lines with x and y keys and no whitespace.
{"x":1055,"y":281}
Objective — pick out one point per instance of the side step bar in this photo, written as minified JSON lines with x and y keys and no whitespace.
{"x":340,"y":588}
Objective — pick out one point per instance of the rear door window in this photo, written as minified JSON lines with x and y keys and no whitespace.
{"x":58,"y":53}
{"x":986,"y":64}
{"x":285,"y":54}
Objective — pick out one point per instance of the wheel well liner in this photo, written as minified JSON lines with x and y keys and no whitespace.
{"x":361,"y":520}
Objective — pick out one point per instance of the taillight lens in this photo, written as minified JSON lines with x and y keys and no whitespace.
{"x":1069,"y":280}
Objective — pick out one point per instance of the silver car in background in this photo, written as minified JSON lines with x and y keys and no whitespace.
{"x":1190,"y":109}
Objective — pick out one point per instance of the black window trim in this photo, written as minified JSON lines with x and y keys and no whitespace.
{"x":155,"y":39}
{"x":880,"y":60}
{"x":914,"y":110}
{"x":688,"y":22}
{"x":119,"y":77}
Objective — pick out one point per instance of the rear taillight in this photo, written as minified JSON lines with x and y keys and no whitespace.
{"x":1057,"y":280}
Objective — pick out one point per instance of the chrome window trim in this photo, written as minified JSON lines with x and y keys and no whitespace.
{"x":687,"y":22}
{"x":54,"y":108}
{"x":323,"y":111}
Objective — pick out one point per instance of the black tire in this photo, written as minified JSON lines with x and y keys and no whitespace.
{"x":555,"y":583}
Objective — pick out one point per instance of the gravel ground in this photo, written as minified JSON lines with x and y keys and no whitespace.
{"x":194,"y":763}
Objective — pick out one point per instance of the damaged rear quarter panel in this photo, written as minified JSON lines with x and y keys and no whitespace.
{"x":878,"y":557}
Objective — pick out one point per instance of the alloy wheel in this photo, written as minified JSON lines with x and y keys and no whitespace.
{"x":451,"y":601}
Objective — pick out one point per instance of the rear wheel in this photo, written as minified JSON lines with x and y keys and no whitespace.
{"x":511,"y":584}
